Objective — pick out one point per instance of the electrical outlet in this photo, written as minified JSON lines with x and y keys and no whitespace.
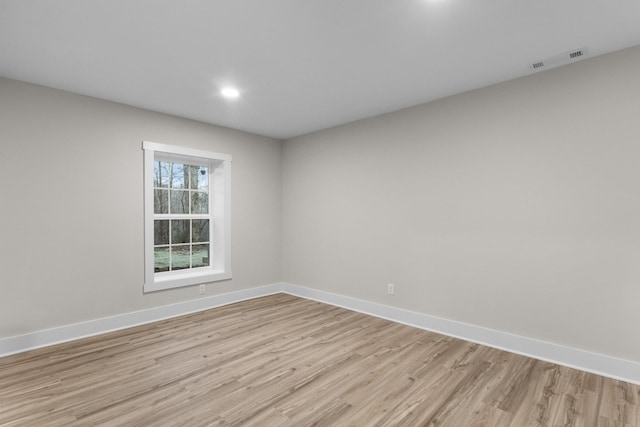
{"x":203,"y":289}
{"x":390,"y":288}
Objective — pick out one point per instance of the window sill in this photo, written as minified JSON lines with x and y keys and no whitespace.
{"x":191,"y":278}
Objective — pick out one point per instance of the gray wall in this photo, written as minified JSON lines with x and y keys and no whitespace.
{"x":514,"y":207}
{"x":72,"y":206}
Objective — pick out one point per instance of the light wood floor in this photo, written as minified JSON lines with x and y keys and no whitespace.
{"x":286,"y":361}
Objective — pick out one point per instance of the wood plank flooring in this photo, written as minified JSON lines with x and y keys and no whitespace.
{"x":286,"y":361}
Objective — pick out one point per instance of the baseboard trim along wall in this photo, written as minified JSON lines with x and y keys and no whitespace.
{"x":34,"y":340}
{"x":599,"y":364}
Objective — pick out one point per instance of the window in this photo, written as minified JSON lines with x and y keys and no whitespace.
{"x":187,"y":216}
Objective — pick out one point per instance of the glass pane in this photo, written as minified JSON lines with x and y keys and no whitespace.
{"x":161,"y":201}
{"x":161,"y":259}
{"x":179,"y":257}
{"x":179,"y":176}
{"x":179,"y":201}
{"x":179,"y":231}
{"x":199,"y":178}
{"x":161,"y":232}
{"x":200,"y":230}
{"x":160,"y":174}
{"x":199,"y":202}
{"x":200,"y":257}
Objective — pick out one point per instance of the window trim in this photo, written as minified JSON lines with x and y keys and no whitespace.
{"x":220,"y":204}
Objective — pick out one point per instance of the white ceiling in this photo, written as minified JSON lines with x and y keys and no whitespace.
{"x":300,"y":65}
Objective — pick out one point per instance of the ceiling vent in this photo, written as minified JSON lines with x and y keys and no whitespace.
{"x":558,"y":60}
{"x":576,"y":54}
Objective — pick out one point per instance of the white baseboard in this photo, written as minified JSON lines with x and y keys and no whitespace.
{"x":31,"y":341}
{"x":599,"y":364}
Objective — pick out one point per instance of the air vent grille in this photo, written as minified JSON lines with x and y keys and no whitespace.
{"x":576,"y":54}
{"x":558,"y":60}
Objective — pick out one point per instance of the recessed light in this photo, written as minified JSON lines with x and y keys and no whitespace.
{"x":229,"y":92}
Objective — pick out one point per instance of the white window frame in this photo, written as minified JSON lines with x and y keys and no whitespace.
{"x":220,"y":221}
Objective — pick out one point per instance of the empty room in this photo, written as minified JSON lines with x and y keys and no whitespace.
{"x":320,"y":213}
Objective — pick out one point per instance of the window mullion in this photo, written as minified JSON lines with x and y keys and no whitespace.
{"x":170,"y":248}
